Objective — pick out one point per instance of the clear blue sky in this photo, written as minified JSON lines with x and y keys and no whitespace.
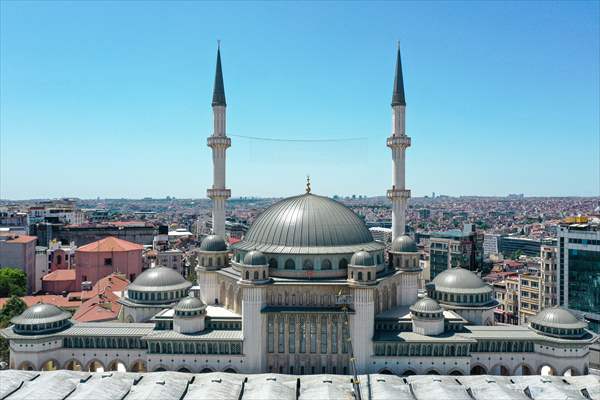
{"x":112,"y":99}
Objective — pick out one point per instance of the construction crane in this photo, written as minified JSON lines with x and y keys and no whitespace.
{"x":345,"y":300}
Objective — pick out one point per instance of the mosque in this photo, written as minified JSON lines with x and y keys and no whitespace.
{"x":307,"y":291}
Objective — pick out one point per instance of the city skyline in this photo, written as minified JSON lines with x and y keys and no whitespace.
{"x":126,"y":120}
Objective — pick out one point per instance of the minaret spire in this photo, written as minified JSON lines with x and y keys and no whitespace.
{"x":398,"y":143}
{"x":398,"y":94}
{"x":219,"y":142}
{"x":219,"y":89}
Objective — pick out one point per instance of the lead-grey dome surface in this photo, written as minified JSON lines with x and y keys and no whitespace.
{"x":159,"y":279}
{"x":308,"y":224}
{"x":255,"y":257}
{"x":362,"y":259}
{"x":404,"y":244}
{"x":41,"y":313}
{"x":558,"y":317}
{"x":213,"y":243}
{"x":426,"y":305}
{"x":190,"y":304}
{"x":460,"y":280}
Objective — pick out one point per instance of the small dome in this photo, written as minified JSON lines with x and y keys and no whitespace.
{"x":460,"y":280}
{"x":190,"y":303}
{"x":213,"y":243}
{"x":558,"y":317}
{"x":404,"y":244}
{"x":362,"y":259}
{"x":41,"y":313}
{"x":159,"y":279}
{"x":255,"y":257}
{"x":427,"y":306}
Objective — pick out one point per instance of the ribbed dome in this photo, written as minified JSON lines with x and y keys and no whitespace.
{"x":41,"y":313}
{"x":159,"y":279}
{"x":460,"y":280}
{"x":426,"y":305}
{"x":190,"y":304}
{"x":308,"y":224}
{"x":404,"y":244}
{"x":362,"y":259}
{"x":213,"y":243}
{"x":255,"y":257}
{"x":557,"y":317}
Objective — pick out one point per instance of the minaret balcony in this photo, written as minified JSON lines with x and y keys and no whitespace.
{"x":402,"y":141}
{"x":398,"y":194}
{"x":218,"y":193}
{"x":219,"y":141}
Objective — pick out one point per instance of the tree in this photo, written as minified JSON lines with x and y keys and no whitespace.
{"x":13,"y":307}
{"x":13,"y":282}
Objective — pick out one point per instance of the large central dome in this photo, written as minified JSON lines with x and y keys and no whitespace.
{"x":308,"y":224}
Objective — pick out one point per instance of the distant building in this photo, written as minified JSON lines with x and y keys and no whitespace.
{"x":109,"y":255}
{"x":133,"y":231}
{"x":18,"y":251}
{"x":549,"y":276}
{"x":530,"y":299}
{"x":382,"y":235}
{"x":14,"y":220}
{"x":579,"y":269}
{"x":173,"y":258}
{"x":509,"y":246}
{"x":456,"y":248}
{"x":424,"y":213}
{"x":61,"y":211}
{"x":490,"y":244}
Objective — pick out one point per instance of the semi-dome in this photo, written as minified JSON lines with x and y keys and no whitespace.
{"x":308,"y":224}
{"x":404,"y":244}
{"x":159,"y":279}
{"x":213,"y":243}
{"x":426,"y":305}
{"x":255,"y":257}
{"x":190,"y":303}
{"x":41,"y":313}
{"x":362,"y":259}
{"x":459,"y":280}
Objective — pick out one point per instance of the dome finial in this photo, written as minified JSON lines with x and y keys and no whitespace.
{"x":307,"y":183}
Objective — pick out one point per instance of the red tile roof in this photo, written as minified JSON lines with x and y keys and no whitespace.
{"x":101,"y":307}
{"x":110,"y":243}
{"x":59,"y":301}
{"x":60,"y":275}
{"x":22,"y":239}
{"x":110,"y":283}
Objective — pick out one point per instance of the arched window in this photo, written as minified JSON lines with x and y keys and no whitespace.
{"x":326,"y":264}
{"x":360,"y":276}
{"x":290,"y":264}
{"x":273,"y":263}
{"x":264,"y":275}
{"x":307,"y":264}
{"x":255,"y":274}
{"x":210,"y":261}
{"x":378,"y":259}
{"x":369,"y":276}
{"x":218,"y":260}
{"x":343,"y":264}
{"x":247,"y":275}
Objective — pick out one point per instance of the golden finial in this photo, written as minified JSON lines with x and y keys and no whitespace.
{"x":307,"y":183}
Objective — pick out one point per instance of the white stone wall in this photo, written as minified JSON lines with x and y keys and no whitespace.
{"x":362,"y":326}
{"x":209,"y":286}
{"x":428,"y":327}
{"x":254,"y":328}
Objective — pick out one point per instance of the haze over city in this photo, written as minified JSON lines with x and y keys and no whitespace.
{"x":502,"y":97}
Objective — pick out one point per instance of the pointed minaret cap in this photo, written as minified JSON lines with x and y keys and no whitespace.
{"x":219,"y":90}
{"x":398,"y":95}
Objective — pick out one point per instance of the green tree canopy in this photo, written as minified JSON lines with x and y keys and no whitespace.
{"x":13,"y":282}
{"x":13,"y":307}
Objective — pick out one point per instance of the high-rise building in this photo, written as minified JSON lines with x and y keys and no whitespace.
{"x":490,"y":244}
{"x":578,"y":269}
{"x":548,"y":276}
{"x":455,"y":248}
{"x":530,"y":299}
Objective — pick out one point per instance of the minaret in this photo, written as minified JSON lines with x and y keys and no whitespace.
{"x":219,"y":142}
{"x":398,"y":142}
